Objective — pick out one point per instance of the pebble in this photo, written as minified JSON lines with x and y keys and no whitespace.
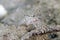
{"x":3,"y":11}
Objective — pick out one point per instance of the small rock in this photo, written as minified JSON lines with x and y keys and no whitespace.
{"x":3,"y":11}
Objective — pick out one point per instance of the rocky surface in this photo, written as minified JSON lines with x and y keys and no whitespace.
{"x":30,"y":20}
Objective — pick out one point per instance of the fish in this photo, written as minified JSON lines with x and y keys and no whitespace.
{"x":41,"y":27}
